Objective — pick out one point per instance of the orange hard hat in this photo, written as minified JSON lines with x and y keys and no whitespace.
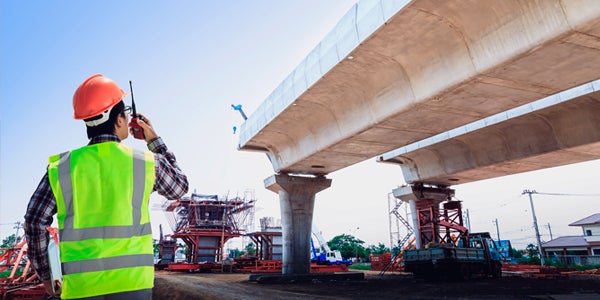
{"x":96,"y":95}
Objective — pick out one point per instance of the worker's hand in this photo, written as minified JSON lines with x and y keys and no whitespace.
{"x":49,"y":290}
{"x":146,"y":124}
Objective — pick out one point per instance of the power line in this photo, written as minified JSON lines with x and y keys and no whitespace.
{"x":522,"y":238}
{"x":511,"y":200}
{"x":525,"y":229}
{"x":570,"y":195}
{"x":13,"y":223}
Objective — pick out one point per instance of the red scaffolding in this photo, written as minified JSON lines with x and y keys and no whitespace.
{"x":205,"y":223}
{"x":439,"y":225}
{"x":22,"y":282}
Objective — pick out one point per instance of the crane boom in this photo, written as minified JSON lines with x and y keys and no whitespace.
{"x":317,"y":233}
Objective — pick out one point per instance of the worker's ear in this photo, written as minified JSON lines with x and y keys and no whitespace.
{"x":121,"y":121}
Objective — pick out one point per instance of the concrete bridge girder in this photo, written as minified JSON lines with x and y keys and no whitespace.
{"x":429,"y":67}
{"x":560,"y":134}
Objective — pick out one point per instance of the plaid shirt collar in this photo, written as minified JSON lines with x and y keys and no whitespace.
{"x":104,"y":138}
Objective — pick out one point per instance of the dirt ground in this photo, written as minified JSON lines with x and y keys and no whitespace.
{"x":175,"y":286}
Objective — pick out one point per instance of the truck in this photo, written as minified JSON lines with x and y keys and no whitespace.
{"x":479,"y":256}
{"x":323,"y":255}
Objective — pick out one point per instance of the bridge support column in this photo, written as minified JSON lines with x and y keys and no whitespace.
{"x":297,"y":199}
{"x":415,"y":221}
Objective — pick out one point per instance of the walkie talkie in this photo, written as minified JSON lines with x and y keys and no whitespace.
{"x":138,"y":132}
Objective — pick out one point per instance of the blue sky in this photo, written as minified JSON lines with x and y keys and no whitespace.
{"x":189,"y":61}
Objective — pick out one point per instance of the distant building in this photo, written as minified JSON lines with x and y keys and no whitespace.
{"x":586,"y":244}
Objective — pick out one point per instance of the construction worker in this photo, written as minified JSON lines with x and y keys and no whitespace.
{"x":100,"y":194}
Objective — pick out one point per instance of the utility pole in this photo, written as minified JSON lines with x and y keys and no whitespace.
{"x":550,"y":229}
{"x":497,"y":231}
{"x":356,"y":244}
{"x":17,"y":227}
{"x":468,"y":221}
{"x":535,"y":226}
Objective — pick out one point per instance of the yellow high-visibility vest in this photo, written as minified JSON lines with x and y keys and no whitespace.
{"x":102,"y":194}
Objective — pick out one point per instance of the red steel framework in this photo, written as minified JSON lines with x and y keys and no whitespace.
{"x":435,"y":224}
{"x":22,"y":282}
{"x":205,"y":223}
{"x":265,"y":244}
{"x":441,"y":225}
{"x":268,"y":241}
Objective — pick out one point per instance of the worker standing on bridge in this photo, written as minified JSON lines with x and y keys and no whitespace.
{"x":100,"y":193}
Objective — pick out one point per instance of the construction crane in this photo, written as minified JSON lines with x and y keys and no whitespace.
{"x":325,"y":255}
{"x":238,"y":108}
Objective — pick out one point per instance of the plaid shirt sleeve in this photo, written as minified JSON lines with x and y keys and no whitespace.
{"x":41,"y":209}
{"x":170,"y":181}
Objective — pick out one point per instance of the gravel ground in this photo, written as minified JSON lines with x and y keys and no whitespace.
{"x":175,"y":286}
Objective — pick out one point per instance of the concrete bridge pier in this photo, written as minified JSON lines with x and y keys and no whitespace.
{"x":297,"y":199}
{"x":412,"y":202}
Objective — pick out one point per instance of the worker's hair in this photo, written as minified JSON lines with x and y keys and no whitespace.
{"x":107,"y":127}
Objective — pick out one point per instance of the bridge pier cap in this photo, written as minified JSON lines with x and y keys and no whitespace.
{"x":419,"y":191}
{"x":296,"y":200}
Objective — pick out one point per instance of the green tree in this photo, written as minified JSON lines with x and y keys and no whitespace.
{"x":235,"y":253}
{"x":532,"y":250}
{"x":348,"y":246}
{"x":379,"y":249}
{"x":250,"y":249}
{"x":515,"y":253}
{"x":9,"y":242}
{"x":155,"y":246}
{"x":534,"y":255}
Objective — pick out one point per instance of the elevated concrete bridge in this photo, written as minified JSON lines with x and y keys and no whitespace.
{"x":392,"y":73}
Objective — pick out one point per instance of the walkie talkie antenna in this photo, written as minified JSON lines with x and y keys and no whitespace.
{"x":136,"y":130}
{"x":132,"y":101}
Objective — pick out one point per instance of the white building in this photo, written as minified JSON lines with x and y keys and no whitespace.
{"x":586,"y":244}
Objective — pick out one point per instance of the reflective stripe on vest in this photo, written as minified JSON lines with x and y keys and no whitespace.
{"x":104,"y":258}
{"x":101,"y":264}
